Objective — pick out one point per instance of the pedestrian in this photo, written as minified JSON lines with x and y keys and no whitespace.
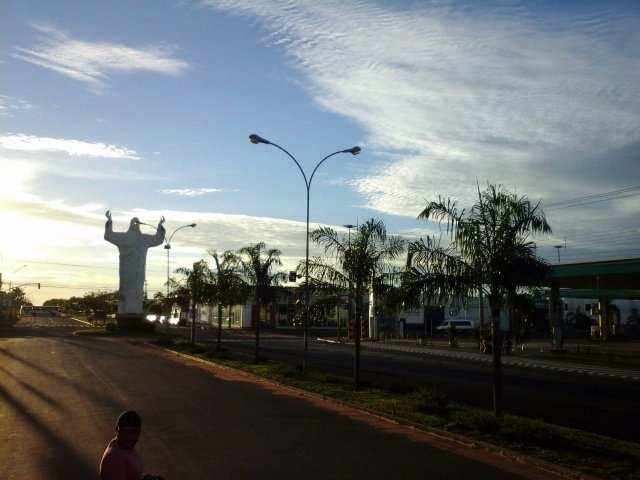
{"x":120,"y":460}
{"x":508,"y":345}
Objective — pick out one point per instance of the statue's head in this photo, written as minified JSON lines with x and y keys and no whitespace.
{"x":134,"y":225}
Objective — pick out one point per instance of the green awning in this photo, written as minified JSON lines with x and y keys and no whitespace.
{"x":612,"y":279}
{"x":599,"y":293}
{"x":596,"y":269}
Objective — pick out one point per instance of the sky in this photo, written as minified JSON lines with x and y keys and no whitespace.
{"x":144,"y":108}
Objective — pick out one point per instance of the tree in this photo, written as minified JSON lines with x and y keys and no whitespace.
{"x":490,"y":253}
{"x":158,"y":305}
{"x":390,"y":297}
{"x":10,"y":302}
{"x":102,"y":301}
{"x":355,"y":262}
{"x":257,"y":264}
{"x":228,"y":287}
{"x":198,"y":283}
{"x":62,"y":303}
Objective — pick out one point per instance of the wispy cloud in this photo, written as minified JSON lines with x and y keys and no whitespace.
{"x":30,"y":143}
{"x":190,"y":192}
{"x":453,"y":94}
{"x":8,"y":106}
{"x":94,"y":62}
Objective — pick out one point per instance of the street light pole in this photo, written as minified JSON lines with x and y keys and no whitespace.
{"x":348,"y":254}
{"x":167,"y":247}
{"x":256,"y":139}
{"x":558,"y":247}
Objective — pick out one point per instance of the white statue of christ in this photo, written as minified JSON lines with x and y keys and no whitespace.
{"x":132,"y":246}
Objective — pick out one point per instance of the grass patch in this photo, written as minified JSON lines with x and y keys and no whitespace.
{"x":604,"y":457}
{"x":91,"y":332}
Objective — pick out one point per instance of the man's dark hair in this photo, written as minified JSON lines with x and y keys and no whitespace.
{"x":129,"y":418}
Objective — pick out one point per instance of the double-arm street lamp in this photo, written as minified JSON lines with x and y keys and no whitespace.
{"x":256,"y":139}
{"x":167,"y":247}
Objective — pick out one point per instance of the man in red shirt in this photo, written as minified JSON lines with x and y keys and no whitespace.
{"x":120,"y":460}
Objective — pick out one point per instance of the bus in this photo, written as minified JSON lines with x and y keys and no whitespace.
{"x":39,"y":310}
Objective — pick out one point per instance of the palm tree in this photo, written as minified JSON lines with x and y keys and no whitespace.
{"x":388,"y":291}
{"x":257,"y":264}
{"x":198,"y":282}
{"x":228,"y":287}
{"x":158,"y":305}
{"x":490,"y":254}
{"x":355,"y":263}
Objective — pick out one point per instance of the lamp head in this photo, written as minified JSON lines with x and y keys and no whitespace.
{"x":135,"y":221}
{"x":192,"y":225}
{"x":353,"y":151}
{"x":255,"y":139}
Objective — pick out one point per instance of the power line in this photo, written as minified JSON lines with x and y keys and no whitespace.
{"x":595,"y":198}
{"x":42,"y":262}
{"x":597,"y":195}
{"x":593,"y":242}
{"x":79,"y":287}
{"x":597,"y":255}
{"x":593,"y":201}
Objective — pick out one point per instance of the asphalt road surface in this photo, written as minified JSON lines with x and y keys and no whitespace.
{"x":60,"y":396}
{"x":588,"y":397}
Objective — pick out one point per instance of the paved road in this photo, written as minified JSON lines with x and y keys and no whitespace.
{"x":579,"y":366}
{"x":60,"y":395}
{"x":590,"y":396}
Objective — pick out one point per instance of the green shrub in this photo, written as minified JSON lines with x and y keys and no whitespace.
{"x":530,"y":432}
{"x":167,"y":342}
{"x":431,"y":402}
{"x":288,"y":371}
{"x":467,"y":420}
{"x":401,"y":388}
{"x":199,"y":349}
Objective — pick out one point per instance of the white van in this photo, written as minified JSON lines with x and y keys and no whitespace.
{"x":462,"y":325}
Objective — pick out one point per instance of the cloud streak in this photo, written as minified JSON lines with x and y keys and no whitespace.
{"x":190,"y":192}
{"x":8,"y":106}
{"x":452,"y":93}
{"x":93,"y":63}
{"x":76,"y":148}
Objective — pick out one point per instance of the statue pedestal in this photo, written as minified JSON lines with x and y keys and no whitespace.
{"x":130,"y":321}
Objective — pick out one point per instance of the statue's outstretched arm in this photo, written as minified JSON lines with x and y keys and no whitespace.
{"x":109,"y":234}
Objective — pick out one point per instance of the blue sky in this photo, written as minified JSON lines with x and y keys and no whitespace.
{"x":144,"y":109}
